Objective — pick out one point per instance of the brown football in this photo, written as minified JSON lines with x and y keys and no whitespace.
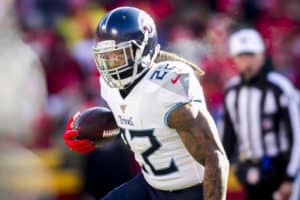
{"x":96,"y":124}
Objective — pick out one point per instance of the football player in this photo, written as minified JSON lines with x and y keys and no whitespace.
{"x":161,"y":112}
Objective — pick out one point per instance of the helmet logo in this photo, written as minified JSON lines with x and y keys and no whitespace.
{"x":146,"y":24}
{"x":147,"y":28}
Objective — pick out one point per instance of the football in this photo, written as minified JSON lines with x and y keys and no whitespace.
{"x":96,"y":124}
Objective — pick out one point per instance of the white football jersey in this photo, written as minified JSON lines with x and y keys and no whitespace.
{"x":142,"y":116}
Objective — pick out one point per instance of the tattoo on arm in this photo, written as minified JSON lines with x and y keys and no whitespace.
{"x":198,"y":133}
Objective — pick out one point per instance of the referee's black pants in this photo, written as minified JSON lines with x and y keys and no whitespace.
{"x":271,"y":173}
{"x":263,"y":190}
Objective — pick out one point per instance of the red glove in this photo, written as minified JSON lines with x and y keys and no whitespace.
{"x":71,"y":139}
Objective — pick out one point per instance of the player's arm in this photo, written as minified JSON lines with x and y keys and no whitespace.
{"x":198,"y":132}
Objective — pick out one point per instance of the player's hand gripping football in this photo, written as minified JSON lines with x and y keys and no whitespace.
{"x":90,"y":127}
{"x":71,"y":138}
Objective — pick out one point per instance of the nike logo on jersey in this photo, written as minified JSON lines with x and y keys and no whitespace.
{"x":174,"y":80}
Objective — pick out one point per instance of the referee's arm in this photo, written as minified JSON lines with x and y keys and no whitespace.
{"x":291,"y":117}
{"x":228,"y":135}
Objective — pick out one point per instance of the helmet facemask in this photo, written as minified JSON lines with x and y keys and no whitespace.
{"x":121,"y":64}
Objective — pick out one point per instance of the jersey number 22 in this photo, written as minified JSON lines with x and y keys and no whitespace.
{"x":155,"y":145}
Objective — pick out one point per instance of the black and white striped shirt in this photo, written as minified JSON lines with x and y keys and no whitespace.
{"x":261,"y":118}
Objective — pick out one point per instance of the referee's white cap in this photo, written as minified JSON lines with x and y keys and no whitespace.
{"x":246,"y":41}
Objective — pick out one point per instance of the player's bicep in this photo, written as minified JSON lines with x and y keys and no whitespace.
{"x":197,"y":131}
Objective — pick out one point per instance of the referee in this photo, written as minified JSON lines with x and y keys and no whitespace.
{"x":261,"y":122}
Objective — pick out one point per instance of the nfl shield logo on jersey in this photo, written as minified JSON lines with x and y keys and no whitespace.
{"x":123,"y":107}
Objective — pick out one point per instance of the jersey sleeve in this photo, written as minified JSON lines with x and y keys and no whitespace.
{"x":179,"y":86}
{"x":289,"y":102}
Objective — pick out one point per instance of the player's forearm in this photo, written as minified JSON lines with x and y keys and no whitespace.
{"x":199,"y":134}
{"x":215,"y":177}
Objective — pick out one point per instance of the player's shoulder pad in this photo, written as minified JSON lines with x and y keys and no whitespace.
{"x":173,"y":76}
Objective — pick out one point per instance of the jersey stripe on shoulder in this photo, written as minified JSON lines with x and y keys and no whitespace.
{"x":281,"y":81}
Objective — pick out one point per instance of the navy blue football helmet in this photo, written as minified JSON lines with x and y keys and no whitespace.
{"x":126,"y":46}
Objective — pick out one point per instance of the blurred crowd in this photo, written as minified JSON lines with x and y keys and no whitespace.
{"x":61,"y":33}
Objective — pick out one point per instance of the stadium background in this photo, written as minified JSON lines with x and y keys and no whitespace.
{"x":61,"y":33}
